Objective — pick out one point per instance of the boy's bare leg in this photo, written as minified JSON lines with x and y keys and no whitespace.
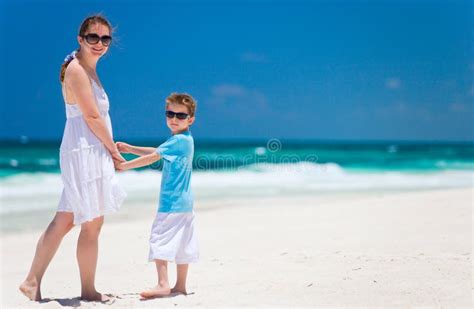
{"x":45,"y":249}
{"x":181,"y":274}
{"x":163,"y":286}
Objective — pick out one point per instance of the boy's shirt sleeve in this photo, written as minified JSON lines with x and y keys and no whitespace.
{"x":171,"y":149}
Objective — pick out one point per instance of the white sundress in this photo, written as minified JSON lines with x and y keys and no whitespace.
{"x":91,"y":188}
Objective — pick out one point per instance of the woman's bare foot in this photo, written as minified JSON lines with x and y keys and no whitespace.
{"x":96,"y":296}
{"x":31,"y":290}
{"x":179,"y":290}
{"x":157,"y":291}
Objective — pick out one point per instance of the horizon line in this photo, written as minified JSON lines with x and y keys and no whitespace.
{"x":26,"y":140}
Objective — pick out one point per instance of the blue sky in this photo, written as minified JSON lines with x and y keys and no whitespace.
{"x":332,"y":70}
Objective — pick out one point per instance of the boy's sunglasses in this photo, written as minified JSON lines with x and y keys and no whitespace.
{"x":94,"y":38}
{"x":180,"y":116}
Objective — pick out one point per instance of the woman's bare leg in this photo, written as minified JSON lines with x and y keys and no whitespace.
{"x":47,"y":246}
{"x":87,"y":253}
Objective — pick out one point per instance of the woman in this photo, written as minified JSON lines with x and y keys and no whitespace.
{"x":87,"y":156}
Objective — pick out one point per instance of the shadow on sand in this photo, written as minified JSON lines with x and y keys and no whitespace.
{"x":77,"y":302}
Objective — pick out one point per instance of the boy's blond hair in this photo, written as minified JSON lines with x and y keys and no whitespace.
{"x":183,"y":99}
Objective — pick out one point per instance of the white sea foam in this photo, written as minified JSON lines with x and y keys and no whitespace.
{"x":24,"y":192}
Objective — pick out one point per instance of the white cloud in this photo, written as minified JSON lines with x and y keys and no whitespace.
{"x":226,"y":93}
{"x":401,"y":107}
{"x":228,"y":90}
{"x":393,"y":83}
{"x":457,"y":107}
{"x":253,"y":57}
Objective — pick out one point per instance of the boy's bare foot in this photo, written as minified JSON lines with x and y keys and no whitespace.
{"x":96,"y":296}
{"x":157,"y":291}
{"x":179,"y":290}
{"x":31,"y":290}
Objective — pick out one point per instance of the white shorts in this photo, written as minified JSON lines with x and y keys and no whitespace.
{"x":173,"y":238}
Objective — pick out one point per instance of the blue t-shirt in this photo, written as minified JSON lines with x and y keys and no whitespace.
{"x":177,"y":153}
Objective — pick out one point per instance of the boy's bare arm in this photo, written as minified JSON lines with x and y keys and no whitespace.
{"x":136,"y":150}
{"x":139,"y":162}
{"x":141,"y":151}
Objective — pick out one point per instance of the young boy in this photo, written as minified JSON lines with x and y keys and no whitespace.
{"x":172,"y":236}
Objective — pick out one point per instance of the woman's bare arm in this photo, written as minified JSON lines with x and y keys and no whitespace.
{"x":78,"y":82}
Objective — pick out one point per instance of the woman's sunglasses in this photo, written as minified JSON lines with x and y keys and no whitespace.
{"x":180,"y":116}
{"x":94,"y":38}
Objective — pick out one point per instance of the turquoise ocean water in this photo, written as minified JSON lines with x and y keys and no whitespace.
{"x":36,"y":157}
{"x":30,"y":178}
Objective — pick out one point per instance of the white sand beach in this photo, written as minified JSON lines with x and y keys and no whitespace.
{"x":409,"y":248}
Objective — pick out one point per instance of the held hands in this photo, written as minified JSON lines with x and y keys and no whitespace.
{"x":123,"y":147}
{"x":116,"y":156}
{"x":118,"y":159}
{"x":147,"y":156}
{"x":120,"y":166}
